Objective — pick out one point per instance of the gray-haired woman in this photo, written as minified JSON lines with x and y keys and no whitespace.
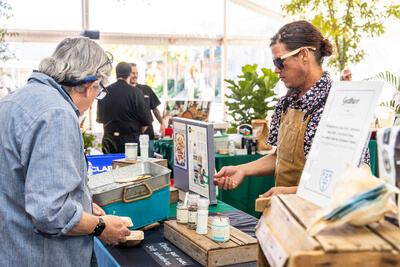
{"x":47,"y":211}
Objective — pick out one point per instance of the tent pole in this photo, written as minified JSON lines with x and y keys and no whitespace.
{"x":224,"y":67}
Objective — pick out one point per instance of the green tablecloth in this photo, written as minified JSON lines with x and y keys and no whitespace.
{"x":220,"y":207}
{"x":372,"y":152}
{"x":165,"y":147}
{"x":244,"y":196}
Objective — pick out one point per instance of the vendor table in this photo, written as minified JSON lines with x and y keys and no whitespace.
{"x":110,"y":255}
{"x":243,"y":198}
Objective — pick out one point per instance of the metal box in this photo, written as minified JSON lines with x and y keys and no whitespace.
{"x":145,"y":201}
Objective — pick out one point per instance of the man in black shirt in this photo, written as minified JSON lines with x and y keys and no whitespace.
{"x":124,"y":112}
{"x":153,"y":101}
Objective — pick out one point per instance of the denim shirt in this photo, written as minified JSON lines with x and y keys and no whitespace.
{"x":42,"y":178}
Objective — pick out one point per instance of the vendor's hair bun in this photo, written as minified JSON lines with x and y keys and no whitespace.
{"x":326,"y":48}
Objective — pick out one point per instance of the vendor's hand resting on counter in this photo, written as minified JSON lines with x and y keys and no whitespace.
{"x":279,"y":190}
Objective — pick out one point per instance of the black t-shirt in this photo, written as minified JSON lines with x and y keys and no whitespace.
{"x":123,"y":110}
{"x":153,"y":101}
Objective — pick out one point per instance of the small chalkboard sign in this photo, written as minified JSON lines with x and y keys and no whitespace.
{"x":166,"y":254}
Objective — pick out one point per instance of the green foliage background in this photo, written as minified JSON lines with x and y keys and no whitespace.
{"x":251,"y":93}
{"x":344,"y":22}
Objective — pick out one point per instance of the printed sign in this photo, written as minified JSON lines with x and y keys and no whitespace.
{"x":341,"y":137}
{"x":166,"y":254}
{"x":198,"y":165}
{"x":180,"y":145}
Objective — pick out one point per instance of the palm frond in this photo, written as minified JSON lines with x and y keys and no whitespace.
{"x":388,"y":77}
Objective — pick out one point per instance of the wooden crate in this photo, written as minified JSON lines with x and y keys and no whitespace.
{"x":281,"y":233}
{"x":240,"y":247}
{"x":173,"y":195}
{"x":124,"y":162}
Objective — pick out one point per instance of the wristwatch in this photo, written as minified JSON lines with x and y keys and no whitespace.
{"x":99,"y":228}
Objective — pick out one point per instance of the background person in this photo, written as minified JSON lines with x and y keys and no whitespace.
{"x":153,"y":102}
{"x":298,"y":51}
{"x":46,"y":207}
{"x":124,"y":112}
{"x":346,"y":75}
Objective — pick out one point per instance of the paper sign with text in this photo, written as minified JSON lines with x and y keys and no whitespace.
{"x":342,"y":134}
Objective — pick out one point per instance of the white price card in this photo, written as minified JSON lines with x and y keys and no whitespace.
{"x":342,"y":134}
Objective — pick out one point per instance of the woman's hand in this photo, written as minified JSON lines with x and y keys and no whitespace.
{"x":97,"y":211}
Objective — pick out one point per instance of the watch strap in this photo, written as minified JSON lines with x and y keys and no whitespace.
{"x":99,"y":228}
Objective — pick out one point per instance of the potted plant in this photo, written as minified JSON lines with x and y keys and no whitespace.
{"x":252,"y":96}
{"x":89,"y":141}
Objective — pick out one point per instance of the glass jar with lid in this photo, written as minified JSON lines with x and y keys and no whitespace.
{"x":181,"y":213}
{"x":220,"y":229}
{"x":202,"y":216}
{"x":192,"y":210}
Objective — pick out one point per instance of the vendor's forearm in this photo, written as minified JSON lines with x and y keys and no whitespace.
{"x":264,"y":166}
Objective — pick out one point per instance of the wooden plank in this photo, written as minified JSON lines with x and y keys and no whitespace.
{"x":262,"y":203}
{"x":208,"y":252}
{"x":273,"y":250}
{"x":338,"y":239}
{"x":201,"y":240}
{"x":286,"y":228}
{"x":302,"y":210}
{"x":261,"y":259}
{"x":232,"y":255}
{"x":187,"y":246}
{"x":348,"y":238}
{"x":173,"y":195}
{"x":364,"y":259}
{"x":387,"y":231}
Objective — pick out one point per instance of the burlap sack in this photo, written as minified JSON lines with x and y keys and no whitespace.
{"x":260,"y":131}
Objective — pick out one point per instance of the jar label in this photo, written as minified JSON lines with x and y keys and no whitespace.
{"x":131,"y":153}
{"x":182,"y":216}
{"x":220,"y":232}
{"x":192,"y":217}
{"x":202,"y":221}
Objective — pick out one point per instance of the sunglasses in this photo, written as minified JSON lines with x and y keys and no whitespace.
{"x":103,"y":92}
{"x":278,"y":62}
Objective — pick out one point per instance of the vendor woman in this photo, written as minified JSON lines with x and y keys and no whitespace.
{"x":298,"y":50}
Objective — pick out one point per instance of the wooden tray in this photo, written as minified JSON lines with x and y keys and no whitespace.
{"x":283,"y":239}
{"x":240,"y":247}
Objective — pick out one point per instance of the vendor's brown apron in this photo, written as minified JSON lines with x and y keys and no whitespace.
{"x":290,"y":147}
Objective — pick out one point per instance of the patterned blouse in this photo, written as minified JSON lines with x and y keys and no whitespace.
{"x":312,"y":97}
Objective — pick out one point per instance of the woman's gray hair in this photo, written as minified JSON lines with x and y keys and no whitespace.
{"x":75,"y":59}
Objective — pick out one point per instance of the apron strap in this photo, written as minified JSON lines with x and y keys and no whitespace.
{"x":315,"y":107}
